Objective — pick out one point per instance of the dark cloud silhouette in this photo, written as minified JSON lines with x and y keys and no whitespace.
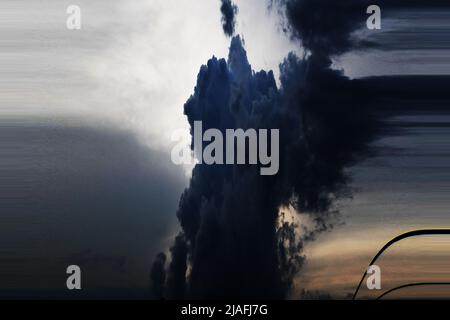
{"x":327,"y":27}
{"x":176,"y":279}
{"x":229,"y":12}
{"x":238,"y":246}
{"x":324,"y":26}
{"x":158,"y":276}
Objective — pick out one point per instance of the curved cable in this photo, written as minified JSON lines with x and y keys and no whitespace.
{"x":417,"y":284}
{"x":402,"y":236}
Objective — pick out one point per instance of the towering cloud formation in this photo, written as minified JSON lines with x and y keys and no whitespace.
{"x":233,"y":238}
{"x":229,"y":12}
{"x":234,"y":243}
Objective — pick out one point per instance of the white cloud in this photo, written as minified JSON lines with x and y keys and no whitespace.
{"x":133,"y":62}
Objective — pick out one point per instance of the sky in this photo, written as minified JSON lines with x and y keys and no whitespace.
{"x":87,"y":117}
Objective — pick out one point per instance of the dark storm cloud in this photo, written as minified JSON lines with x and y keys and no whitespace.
{"x":327,"y":27}
{"x":229,"y":12}
{"x":238,"y":246}
{"x":176,"y":280}
{"x":324,"y":26}
{"x":96,"y":197}
{"x":158,"y":276}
